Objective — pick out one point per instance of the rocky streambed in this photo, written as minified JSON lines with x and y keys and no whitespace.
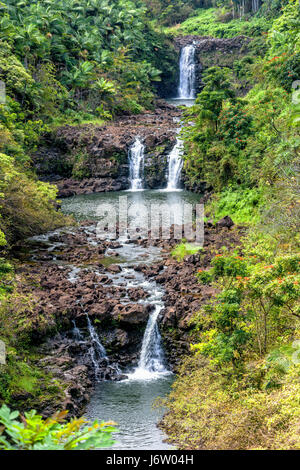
{"x":88,"y":294}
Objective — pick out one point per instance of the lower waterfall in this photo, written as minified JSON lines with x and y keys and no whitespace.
{"x":152,"y":356}
{"x":152,"y":362}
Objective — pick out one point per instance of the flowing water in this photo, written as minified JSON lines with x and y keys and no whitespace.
{"x":175,"y":167}
{"x":130,"y":402}
{"x":187,"y":80}
{"x":76,"y":332}
{"x":136,"y":165}
{"x":96,"y":351}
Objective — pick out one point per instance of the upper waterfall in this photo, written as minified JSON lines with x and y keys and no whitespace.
{"x":136,"y":165}
{"x":187,"y":67}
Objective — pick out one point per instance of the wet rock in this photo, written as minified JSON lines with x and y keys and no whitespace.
{"x":132,"y":314}
{"x":114,"y":268}
{"x":225,"y":222}
{"x":101,"y":310}
{"x":106,"y":149}
{"x":122,"y":337}
{"x":137,"y":294}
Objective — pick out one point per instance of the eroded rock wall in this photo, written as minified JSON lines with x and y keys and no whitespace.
{"x":214,"y":52}
{"x":91,"y":158}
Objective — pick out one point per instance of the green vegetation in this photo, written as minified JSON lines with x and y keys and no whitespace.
{"x":207,"y":411}
{"x":184,"y":249}
{"x":71,"y":62}
{"x":242,"y":203}
{"x":256,"y":308}
{"x":207,"y":23}
{"x":68,"y":62}
{"x":169,"y":13}
{"x":32,"y":432}
{"x":240,"y":387}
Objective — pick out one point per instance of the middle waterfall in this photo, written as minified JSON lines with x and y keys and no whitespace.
{"x":175,"y":166}
{"x":187,"y":80}
{"x":136,"y":165}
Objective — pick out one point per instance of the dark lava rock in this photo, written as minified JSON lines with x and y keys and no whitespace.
{"x":132,"y":314}
{"x":225,"y":222}
{"x":114,"y":268}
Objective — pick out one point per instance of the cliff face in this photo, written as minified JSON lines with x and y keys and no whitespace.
{"x":87,"y":159}
{"x":214,"y":52}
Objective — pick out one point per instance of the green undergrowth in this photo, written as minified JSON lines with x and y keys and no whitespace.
{"x":243,"y":205}
{"x":185,"y":249}
{"x":239,"y":389}
{"x":31,"y":432}
{"x":207,"y":23}
{"x":210,"y":409}
{"x":23,"y":381}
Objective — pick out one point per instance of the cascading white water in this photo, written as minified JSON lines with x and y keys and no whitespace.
{"x":97,"y":351}
{"x":152,"y":363}
{"x":175,"y":166}
{"x":136,"y":165}
{"x":255,"y":6}
{"x":152,"y":355}
{"x":76,"y":332}
{"x":152,"y":360}
{"x":187,"y":79}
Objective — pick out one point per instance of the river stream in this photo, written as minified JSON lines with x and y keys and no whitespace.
{"x":130,"y":402}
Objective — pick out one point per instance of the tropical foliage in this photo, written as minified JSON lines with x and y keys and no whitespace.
{"x":240,"y":387}
{"x":32,"y":432}
{"x":91,"y":61}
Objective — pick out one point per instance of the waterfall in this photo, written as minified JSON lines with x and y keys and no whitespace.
{"x":97,"y":351}
{"x":76,"y":332}
{"x":175,"y":166}
{"x":187,"y":81}
{"x":152,"y":361}
{"x":255,"y":6}
{"x":242,"y":9}
{"x":136,"y":165}
{"x":152,"y":356}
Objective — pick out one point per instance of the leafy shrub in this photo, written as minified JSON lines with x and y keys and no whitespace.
{"x":209,"y":409}
{"x":32,"y":432}
{"x":242,"y":204}
{"x":184,"y":249}
{"x":206,"y":23}
{"x":26,"y":205}
{"x":257,"y":303}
